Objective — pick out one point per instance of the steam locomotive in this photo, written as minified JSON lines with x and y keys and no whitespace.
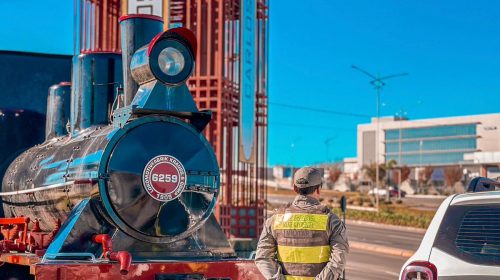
{"x":125,"y":183}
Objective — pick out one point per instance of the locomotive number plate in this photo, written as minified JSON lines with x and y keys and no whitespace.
{"x":164,"y":178}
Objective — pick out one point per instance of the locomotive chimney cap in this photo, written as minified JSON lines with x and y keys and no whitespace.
{"x":132,"y":16}
{"x":181,"y":33}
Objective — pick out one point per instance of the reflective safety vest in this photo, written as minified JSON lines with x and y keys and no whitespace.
{"x":303,"y":242}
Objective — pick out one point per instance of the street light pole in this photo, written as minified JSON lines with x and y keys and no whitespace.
{"x":378,"y":83}
{"x":377,"y":141}
{"x":419,"y":176}
{"x":401,"y":113}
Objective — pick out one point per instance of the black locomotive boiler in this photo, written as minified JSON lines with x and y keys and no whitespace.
{"x":125,"y":173}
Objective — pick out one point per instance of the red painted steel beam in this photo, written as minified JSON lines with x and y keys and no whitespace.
{"x":97,"y":28}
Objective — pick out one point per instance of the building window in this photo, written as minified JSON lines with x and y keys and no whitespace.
{"x":427,"y":159}
{"x":430,"y":132}
{"x":430,"y":145}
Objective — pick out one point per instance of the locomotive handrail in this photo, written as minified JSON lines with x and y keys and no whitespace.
{"x":44,"y":188}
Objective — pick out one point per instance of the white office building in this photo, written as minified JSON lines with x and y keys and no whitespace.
{"x":469,"y":141}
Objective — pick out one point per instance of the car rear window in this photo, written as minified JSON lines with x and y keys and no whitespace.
{"x":471,"y":233}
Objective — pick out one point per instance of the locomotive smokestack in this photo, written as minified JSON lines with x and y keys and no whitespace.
{"x":95,"y":77}
{"x":58,"y":110}
{"x":136,"y":31}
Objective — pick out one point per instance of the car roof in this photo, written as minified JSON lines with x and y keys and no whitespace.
{"x":492,"y":197}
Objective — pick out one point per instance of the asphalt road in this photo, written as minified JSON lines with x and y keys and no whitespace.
{"x":367,"y":265}
{"x":362,"y":265}
{"x":374,"y":266}
{"x":379,"y":235}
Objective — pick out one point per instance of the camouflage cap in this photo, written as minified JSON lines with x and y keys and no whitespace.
{"x":307,"y":177}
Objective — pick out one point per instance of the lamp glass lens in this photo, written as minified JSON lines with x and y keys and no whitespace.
{"x":171,"y":61}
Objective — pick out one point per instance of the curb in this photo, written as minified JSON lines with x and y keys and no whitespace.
{"x":381,"y":249}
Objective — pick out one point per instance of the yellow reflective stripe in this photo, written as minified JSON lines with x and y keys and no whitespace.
{"x":313,"y":254}
{"x":291,"y":277}
{"x":300,"y":221}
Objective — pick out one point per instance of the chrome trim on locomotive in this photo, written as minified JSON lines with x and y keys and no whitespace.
{"x":58,"y":110}
{"x":135,"y":33}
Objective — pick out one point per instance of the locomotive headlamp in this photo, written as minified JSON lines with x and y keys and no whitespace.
{"x":169,"y":58}
{"x":171,"y":61}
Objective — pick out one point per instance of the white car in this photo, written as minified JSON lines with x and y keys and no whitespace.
{"x":380,"y":192}
{"x":463,"y":240}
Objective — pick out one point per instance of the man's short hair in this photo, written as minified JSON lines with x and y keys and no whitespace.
{"x":308,"y":190}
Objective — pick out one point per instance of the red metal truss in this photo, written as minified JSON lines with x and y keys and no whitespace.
{"x":216,"y":86}
{"x":96,"y":24}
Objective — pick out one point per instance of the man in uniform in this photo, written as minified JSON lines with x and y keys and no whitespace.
{"x":303,"y":240}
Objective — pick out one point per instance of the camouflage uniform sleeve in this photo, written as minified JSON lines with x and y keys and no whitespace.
{"x":265,"y":257}
{"x":339,"y":249}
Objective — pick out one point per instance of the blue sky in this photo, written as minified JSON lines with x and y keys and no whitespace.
{"x":450,"y":48}
{"x":38,"y":26}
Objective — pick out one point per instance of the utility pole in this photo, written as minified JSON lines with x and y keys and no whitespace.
{"x":419,"y":176}
{"x":378,"y":83}
{"x":400,"y":116}
{"x":327,"y":146}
